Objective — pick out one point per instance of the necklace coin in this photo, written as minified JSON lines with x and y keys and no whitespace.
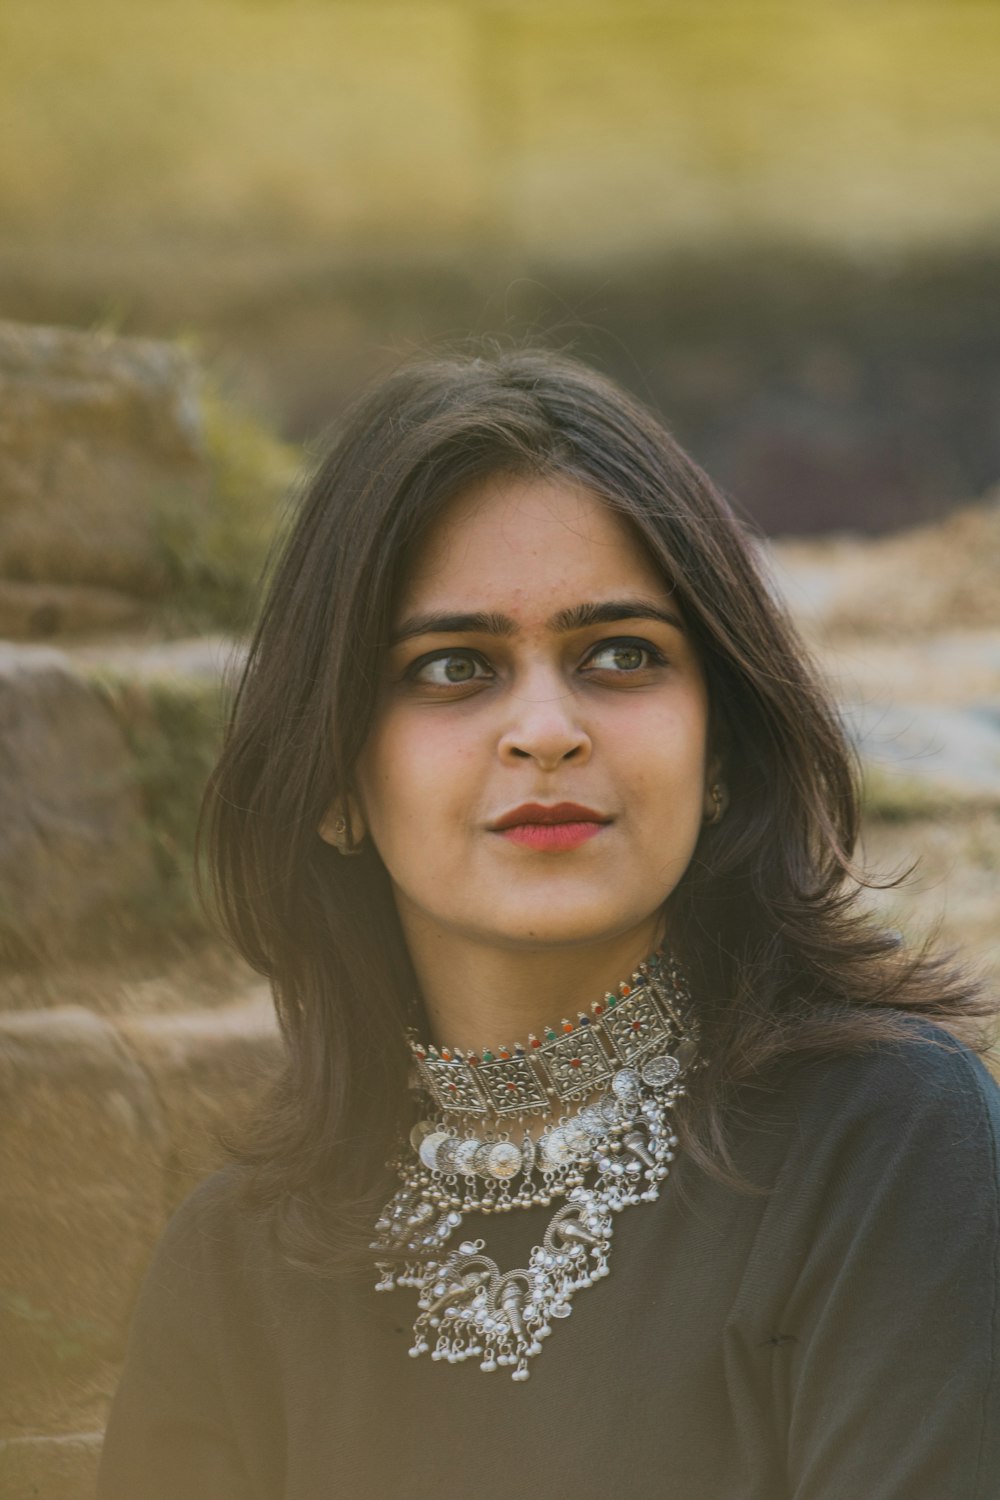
{"x":577,"y":1137}
{"x":429,"y":1148}
{"x":503,"y":1160}
{"x":554,"y":1149}
{"x":465,"y":1155}
{"x":658,"y":1072}
{"x":446,"y":1154}
{"x":626,"y":1085}
{"x":481,"y":1160}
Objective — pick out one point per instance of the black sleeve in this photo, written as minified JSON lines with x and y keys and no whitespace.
{"x":169,"y":1432}
{"x":890,"y":1329}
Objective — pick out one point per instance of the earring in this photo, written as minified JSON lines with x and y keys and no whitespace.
{"x":340,"y":837}
{"x":720,"y":801}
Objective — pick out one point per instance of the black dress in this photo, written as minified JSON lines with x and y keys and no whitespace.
{"x":833,"y":1339}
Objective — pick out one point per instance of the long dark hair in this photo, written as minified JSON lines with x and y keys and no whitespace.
{"x":782,"y":958}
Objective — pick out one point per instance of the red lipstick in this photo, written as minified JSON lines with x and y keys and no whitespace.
{"x":566,"y":825}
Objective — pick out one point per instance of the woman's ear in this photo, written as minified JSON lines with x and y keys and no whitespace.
{"x":343,"y":826}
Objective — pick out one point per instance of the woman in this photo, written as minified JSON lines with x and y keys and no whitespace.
{"x":533,"y":811}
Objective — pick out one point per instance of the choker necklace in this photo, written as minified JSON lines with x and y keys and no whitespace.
{"x":467,"y":1154}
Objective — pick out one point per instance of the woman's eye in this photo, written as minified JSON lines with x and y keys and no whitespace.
{"x":624,"y":656}
{"x":450,"y":669}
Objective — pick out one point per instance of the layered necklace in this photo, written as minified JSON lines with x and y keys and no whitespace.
{"x":472,"y":1152}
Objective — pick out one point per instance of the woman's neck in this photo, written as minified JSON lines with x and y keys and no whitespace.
{"x":477,"y":995}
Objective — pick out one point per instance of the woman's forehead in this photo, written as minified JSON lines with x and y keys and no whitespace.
{"x":512,"y":543}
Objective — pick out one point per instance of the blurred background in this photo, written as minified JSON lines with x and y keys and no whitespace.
{"x":777,"y":221}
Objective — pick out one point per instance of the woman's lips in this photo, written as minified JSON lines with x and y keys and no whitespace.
{"x":555,"y":827}
{"x":551,"y":836}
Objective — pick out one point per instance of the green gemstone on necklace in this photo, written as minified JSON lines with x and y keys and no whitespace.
{"x":487,"y":1055}
{"x":550,"y":1036}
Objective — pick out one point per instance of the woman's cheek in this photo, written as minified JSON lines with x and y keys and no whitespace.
{"x":424,"y":776}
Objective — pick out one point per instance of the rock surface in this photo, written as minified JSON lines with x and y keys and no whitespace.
{"x":97,"y":436}
{"x":74,"y":846}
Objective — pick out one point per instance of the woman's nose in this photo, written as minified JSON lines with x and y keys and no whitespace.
{"x":545,"y":726}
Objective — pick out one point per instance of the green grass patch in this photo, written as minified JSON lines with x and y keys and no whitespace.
{"x":214,"y":550}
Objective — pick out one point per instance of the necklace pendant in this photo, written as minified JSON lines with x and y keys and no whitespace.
{"x":473,"y":1311}
{"x":467,"y":1307}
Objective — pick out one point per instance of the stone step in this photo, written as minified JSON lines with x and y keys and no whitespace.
{"x":74,"y":842}
{"x":107,"y":1124}
{"x":103,"y":757}
{"x":59,"y":1466}
{"x":38,"y":611}
{"x":100,"y":439}
{"x":201,"y":658}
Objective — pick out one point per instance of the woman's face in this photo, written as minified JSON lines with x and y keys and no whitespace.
{"x":539,"y":670}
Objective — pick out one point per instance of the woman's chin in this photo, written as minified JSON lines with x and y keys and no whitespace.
{"x":533,"y":930}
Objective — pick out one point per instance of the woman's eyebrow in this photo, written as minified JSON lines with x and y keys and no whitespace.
{"x":579,"y":616}
{"x":576,"y":617}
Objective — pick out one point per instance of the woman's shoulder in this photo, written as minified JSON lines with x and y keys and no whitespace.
{"x":212,"y":1203}
{"x":886,"y":1160}
{"x":918,"y":1112}
{"x":210,"y":1234}
{"x":926,"y":1072}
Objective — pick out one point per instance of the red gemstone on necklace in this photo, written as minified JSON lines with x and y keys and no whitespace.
{"x":533,"y":1041}
{"x":575,"y":1062}
{"x":636,"y":1025}
{"x":567,"y":1026}
{"x":505,"y":1054}
{"x":598,"y":1008}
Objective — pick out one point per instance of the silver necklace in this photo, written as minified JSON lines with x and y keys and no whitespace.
{"x":636,"y":1048}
